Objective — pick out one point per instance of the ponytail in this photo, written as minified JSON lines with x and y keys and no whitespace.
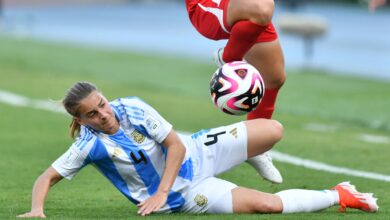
{"x":72,"y":100}
{"x":74,"y":128}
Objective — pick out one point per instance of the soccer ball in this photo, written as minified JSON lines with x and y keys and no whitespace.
{"x":236,"y":88}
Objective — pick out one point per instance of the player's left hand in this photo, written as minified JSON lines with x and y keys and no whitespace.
{"x":152,"y":204}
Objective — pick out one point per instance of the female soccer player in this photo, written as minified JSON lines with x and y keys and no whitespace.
{"x":251,"y":36}
{"x":162,"y":171}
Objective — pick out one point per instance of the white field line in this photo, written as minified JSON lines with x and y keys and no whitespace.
{"x":369,"y":138}
{"x":17,"y":100}
{"x":376,"y":139}
{"x":311,"y":164}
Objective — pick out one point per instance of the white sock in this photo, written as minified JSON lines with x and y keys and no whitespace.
{"x":299,"y":200}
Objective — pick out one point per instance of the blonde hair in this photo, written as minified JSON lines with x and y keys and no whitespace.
{"x":72,"y":100}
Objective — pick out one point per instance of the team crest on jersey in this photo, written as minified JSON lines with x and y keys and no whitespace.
{"x":138,"y":137}
{"x":117,"y":152}
{"x":200,"y":200}
{"x":233,"y":132}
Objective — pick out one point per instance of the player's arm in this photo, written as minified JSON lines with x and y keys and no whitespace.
{"x":41,"y":187}
{"x":175,"y":157}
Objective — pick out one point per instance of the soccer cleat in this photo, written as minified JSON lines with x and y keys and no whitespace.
{"x":218,"y":57}
{"x":351,"y":198}
{"x":264,"y":166}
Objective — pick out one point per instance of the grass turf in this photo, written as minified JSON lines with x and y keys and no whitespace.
{"x":31,"y":139}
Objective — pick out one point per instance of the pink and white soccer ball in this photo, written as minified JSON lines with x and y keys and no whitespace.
{"x":237,"y":88}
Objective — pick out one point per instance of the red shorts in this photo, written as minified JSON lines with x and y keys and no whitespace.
{"x":209,"y":18}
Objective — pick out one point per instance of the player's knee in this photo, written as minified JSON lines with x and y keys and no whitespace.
{"x":276,"y":130}
{"x":263,"y":12}
{"x":276,"y":82}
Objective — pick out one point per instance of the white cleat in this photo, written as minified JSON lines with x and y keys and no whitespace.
{"x":264,"y":166}
{"x":218,"y":57}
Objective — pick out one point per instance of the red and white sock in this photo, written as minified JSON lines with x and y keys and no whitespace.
{"x":243,"y":36}
{"x":267,"y":105}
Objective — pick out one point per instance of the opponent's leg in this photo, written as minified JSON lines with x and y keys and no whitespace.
{"x":248,"y":19}
{"x":268,"y":58}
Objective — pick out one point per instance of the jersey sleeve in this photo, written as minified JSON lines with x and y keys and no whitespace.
{"x":69,"y":163}
{"x":147,"y":120}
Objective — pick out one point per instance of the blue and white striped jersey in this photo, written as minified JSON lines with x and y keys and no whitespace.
{"x":133,"y":159}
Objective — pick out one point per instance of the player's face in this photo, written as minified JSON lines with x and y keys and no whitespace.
{"x":96,"y":112}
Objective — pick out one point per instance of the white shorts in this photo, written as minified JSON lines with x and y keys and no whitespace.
{"x":213,"y":152}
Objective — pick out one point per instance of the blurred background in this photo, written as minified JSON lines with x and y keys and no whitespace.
{"x":339,"y":36}
{"x":334,"y":105}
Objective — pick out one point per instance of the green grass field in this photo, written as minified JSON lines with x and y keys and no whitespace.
{"x":31,"y":139}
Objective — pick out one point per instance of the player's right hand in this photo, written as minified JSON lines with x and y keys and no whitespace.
{"x":32,"y":214}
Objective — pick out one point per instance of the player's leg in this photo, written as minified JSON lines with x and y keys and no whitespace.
{"x":299,"y":200}
{"x":288,"y":201}
{"x":213,"y":19}
{"x":260,"y":138}
{"x":344,"y":194}
{"x":252,"y":201}
{"x":247,"y":19}
{"x":268,"y":58}
{"x":240,"y":21}
{"x":262,"y":135}
{"x":258,"y":12}
{"x":233,"y":144}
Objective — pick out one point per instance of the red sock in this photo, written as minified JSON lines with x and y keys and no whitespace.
{"x":266,"y":106}
{"x":242,"y":37}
